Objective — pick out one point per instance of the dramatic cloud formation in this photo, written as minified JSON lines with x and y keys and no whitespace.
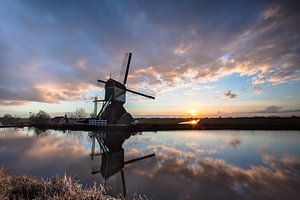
{"x":176,"y":44}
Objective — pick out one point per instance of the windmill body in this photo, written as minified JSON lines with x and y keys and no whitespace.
{"x":112,"y":109}
{"x":115,"y":91}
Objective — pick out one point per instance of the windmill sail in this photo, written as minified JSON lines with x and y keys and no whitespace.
{"x":101,"y":83}
{"x":141,"y":94}
{"x":125,"y":68}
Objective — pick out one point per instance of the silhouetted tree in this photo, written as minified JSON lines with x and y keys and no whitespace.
{"x":41,"y":118}
{"x":79,"y":113}
{"x":7,"y":119}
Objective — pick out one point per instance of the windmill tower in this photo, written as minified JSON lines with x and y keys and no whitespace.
{"x":115,"y":96}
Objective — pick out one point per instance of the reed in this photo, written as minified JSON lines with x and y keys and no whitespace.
{"x":27,"y":187}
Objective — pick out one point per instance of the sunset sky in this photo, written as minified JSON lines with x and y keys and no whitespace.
{"x":212,"y":58}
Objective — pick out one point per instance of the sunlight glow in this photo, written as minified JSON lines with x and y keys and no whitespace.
{"x":194,"y":121}
{"x":191,"y":122}
{"x":193,"y":112}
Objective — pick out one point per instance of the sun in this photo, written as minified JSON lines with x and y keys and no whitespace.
{"x":193,"y":112}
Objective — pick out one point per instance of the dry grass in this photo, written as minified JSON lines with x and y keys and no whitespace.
{"x":24,"y":187}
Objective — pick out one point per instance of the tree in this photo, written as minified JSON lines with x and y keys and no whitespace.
{"x":41,"y":118}
{"x":78,"y":114}
{"x":7,"y":119}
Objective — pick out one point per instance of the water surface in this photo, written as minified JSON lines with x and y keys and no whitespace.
{"x":187,"y":164}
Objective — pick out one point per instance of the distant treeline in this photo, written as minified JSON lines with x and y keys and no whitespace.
{"x":238,"y":123}
{"x":242,"y":123}
{"x":40,"y":118}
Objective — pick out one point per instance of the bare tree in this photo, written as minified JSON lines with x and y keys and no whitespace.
{"x":78,"y":114}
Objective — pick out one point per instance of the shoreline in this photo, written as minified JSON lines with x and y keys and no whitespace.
{"x":159,"y":124}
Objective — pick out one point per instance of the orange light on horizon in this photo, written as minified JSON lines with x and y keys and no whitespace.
{"x":191,"y":122}
{"x":193,"y":113}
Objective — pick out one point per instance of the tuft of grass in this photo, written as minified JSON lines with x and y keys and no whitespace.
{"x":27,"y":187}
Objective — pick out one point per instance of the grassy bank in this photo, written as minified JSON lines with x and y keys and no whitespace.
{"x":25,"y":187}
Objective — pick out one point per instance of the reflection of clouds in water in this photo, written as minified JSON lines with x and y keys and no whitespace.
{"x":43,"y":156}
{"x":139,"y":140}
{"x":202,"y":177}
{"x":160,"y":148}
{"x":142,"y":138}
{"x":192,"y":145}
{"x":183,"y":167}
{"x":9,"y":133}
{"x":287,"y":162}
{"x":291,"y":161}
{"x":162,"y":151}
{"x":45,"y":146}
{"x":234,"y":142}
{"x":198,"y":150}
{"x":133,"y":151}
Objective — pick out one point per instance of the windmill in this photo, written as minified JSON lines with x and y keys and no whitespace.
{"x":112,"y":155}
{"x":115,"y":96}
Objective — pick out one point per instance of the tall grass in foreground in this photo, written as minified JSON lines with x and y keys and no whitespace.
{"x":25,"y":187}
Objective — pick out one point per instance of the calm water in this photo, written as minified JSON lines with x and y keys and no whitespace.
{"x":187,"y":164}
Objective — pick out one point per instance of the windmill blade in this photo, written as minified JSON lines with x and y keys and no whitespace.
{"x":140,"y":158}
{"x":101,"y":83}
{"x":125,"y":68}
{"x":123,"y":182}
{"x":93,"y":148}
{"x":138,"y":93}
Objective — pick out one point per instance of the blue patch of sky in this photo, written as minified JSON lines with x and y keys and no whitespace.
{"x":285,"y":94}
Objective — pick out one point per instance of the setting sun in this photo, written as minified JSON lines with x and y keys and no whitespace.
{"x":193,"y":112}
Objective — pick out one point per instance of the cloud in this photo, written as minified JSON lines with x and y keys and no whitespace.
{"x":10,"y":102}
{"x":272,"y":109}
{"x":252,"y":52}
{"x":230,"y":95}
{"x":52,"y":93}
{"x":271,"y":12}
{"x":44,"y":92}
{"x":234,"y":142}
{"x":257,"y":89}
{"x":277,"y":109}
{"x":174,"y":44}
{"x":181,"y":49}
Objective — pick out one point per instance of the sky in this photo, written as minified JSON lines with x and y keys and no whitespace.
{"x":209,"y":58}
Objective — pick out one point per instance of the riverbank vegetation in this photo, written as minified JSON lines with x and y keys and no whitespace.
{"x":26,"y":187}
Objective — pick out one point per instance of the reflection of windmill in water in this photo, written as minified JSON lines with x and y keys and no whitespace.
{"x":112,"y":155}
{"x":115,"y":96}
